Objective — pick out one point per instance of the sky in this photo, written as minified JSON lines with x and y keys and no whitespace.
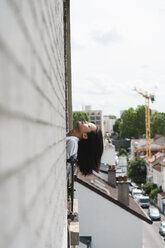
{"x":116,"y":46}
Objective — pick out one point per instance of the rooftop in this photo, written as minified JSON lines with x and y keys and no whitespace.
{"x":155,"y":157}
{"x":157,"y":144}
{"x":162,"y":162}
{"x":162,"y":195}
{"x":119,"y":170}
{"x":157,"y":167}
{"x":102,"y":188}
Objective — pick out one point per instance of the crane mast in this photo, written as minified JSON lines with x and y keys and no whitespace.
{"x":147,"y":120}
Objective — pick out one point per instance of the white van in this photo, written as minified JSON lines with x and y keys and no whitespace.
{"x":144,"y":201}
{"x":136,"y":193}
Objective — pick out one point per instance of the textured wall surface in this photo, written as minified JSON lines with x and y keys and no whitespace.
{"x":32,"y":125}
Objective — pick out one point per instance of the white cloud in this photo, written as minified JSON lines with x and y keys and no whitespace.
{"x":106,"y":37}
{"x":77,"y":45}
{"x":162,"y":11}
{"x":116,"y":49}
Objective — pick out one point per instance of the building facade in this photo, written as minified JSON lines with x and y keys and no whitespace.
{"x":109,"y":154}
{"x":108,"y":125}
{"x":33,"y":208}
{"x":103,"y":214}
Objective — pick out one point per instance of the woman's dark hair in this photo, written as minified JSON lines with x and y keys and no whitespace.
{"x":89,"y":152}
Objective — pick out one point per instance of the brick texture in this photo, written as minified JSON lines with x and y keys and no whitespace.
{"x":32,"y":125}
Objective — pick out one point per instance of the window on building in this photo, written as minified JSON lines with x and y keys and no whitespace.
{"x":98,"y":123}
{"x":92,"y":118}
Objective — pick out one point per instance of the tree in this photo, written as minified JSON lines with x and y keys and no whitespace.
{"x":128,"y":125}
{"x":148,"y":187}
{"x":154,"y":192}
{"x":133,"y":122}
{"x":157,"y":124}
{"x":137,"y":170}
{"x":112,"y":117}
{"x":116,"y":126}
{"x":79,"y":116}
{"x":140,"y":120}
{"x":122,"y":151}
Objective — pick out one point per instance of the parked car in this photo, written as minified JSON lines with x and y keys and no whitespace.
{"x":144,"y":201}
{"x":132,"y":186}
{"x":136,"y":193}
{"x":154,"y":213}
{"x":162,"y":228}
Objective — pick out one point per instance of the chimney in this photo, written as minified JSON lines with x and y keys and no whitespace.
{"x":123,"y":190}
{"x":112,"y":176}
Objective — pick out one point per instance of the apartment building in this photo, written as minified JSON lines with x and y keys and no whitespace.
{"x":106,"y":207}
{"x":108,"y":124}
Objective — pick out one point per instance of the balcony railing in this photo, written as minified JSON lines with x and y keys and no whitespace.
{"x":73,"y":222}
{"x":70,"y":181}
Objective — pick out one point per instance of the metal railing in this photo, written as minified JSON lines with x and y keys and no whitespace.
{"x":70,"y":183}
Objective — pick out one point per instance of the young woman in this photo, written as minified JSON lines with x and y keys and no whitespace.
{"x":85,"y":142}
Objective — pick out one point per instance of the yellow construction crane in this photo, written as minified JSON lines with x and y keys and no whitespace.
{"x":147,"y":97}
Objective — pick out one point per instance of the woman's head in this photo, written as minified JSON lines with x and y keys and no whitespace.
{"x":84,"y":128}
{"x":90,"y":148}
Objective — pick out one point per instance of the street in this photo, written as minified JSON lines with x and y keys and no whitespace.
{"x":151,"y":236}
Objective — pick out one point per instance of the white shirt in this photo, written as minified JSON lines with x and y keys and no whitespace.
{"x":71,"y":149}
{"x":71,"y":146}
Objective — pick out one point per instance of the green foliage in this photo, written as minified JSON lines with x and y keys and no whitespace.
{"x":137,"y":170}
{"x":133,"y":122}
{"x":127,"y":128}
{"x":158,"y":124}
{"x":106,"y":137}
{"x":79,"y":116}
{"x":122,"y":151}
{"x":154,"y":192}
{"x":148,"y":187}
{"x":140,"y":120}
{"x":116,"y":126}
{"x":112,"y":117}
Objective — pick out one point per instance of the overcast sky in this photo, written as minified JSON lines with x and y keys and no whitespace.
{"x":117,"y":45}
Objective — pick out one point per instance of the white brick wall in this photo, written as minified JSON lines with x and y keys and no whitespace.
{"x":32,"y":125}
